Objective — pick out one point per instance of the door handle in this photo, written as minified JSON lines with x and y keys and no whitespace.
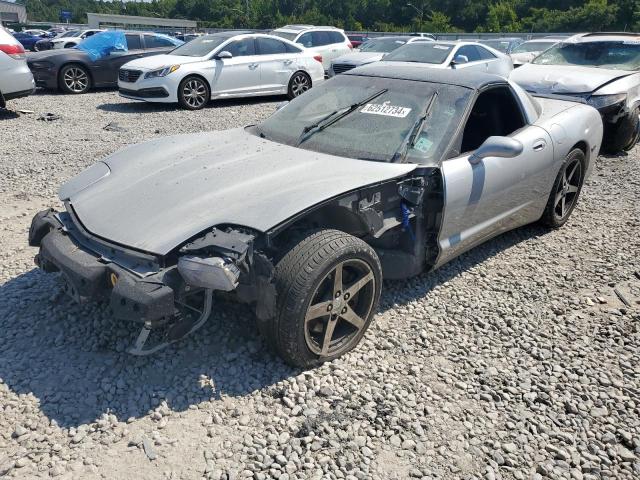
{"x":253,"y":66}
{"x":288,"y":62}
{"x":539,"y":146}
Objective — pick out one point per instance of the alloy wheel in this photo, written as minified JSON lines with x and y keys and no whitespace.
{"x":568,"y":189}
{"x":76,"y":79}
{"x":194,"y":93}
{"x":339,"y":308}
{"x":300,"y":83}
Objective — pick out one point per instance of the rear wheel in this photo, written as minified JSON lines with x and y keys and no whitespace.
{"x":74,"y":79}
{"x":328,"y":289}
{"x":566,"y":190}
{"x":299,"y":83}
{"x":193,"y":93}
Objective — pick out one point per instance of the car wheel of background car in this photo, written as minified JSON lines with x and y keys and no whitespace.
{"x":74,"y":78}
{"x":328,"y":287}
{"x":566,"y":190}
{"x":623,"y":135}
{"x":193,"y":93}
{"x":299,"y":83}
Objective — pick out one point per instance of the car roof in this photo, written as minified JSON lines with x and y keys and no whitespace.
{"x":603,"y":37}
{"x":410,"y":71}
{"x":302,"y":28}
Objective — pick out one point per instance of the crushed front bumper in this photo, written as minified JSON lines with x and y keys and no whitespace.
{"x":89,"y":276}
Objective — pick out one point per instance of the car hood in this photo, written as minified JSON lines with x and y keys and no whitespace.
{"x":524,"y":57}
{"x":359,"y":58}
{"x":159,"y":61}
{"x":156,"y":195}
{"x":564,"y":79}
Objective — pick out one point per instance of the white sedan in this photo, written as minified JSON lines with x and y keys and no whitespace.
{"x":72,"y":38}
{"x":222,"y":65}
{"x":454,"y":55}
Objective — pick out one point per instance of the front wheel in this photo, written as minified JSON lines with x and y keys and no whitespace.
{"x":299,"y":83}
{"x":566,"y":190}
{"x":74,"y":79}
{"x":193,"y":93}
{"x":328,"y":286}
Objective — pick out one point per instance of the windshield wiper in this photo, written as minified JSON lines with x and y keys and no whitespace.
{"x":410,"y":140}
{"x":334,"y":116}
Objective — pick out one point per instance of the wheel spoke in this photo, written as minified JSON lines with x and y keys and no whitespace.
{"x":562,"y":206}
{"x":317,"y":310}
{"x":573,"y":171}
{"x":328,"y":335}
{"x":351,"y":317}
{"x":357,"y":286}
{"x":337,"y":281}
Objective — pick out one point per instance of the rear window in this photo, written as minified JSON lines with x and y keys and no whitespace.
{"x":153,"y":41}
{"x":421,"y":52}
{"x":336,"y":37}
{"x":270,"y":46}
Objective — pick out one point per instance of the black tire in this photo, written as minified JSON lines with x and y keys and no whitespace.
{"x":193,"y":93}
{"x":299,"y":83}
{"x":74,"y":78}
{"x":566,"y":190}
{"x":623,"y":135}
{"x":310,"y":292}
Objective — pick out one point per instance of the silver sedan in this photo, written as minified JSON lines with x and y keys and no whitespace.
{"x":375,"y":174}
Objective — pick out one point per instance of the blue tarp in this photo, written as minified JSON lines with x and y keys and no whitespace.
{"x":102,"y":44}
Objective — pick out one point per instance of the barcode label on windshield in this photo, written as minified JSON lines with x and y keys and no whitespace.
{"x":386,"y":109}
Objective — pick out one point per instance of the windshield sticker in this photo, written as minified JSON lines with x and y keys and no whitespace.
{"x":442,"y":47}
{"x":423,"y":145}
{"x":631,"y":42}
{"x":386,"y":109}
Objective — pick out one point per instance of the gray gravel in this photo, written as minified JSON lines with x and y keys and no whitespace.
{"x":516,"y":361}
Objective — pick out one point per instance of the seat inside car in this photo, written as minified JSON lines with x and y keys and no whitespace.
{"x":496,"y":112}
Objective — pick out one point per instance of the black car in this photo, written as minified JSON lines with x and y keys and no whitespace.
{"x":73,"y":70}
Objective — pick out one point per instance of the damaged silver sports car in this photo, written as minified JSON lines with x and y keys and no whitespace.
{"x":379,"y":173}
{"x":603,"y":69}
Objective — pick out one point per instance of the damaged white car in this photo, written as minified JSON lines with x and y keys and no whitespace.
{"x":379,"y":173}
{"x":603,"y":69}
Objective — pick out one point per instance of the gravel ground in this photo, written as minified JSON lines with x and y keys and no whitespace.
{"x":516,"y":361}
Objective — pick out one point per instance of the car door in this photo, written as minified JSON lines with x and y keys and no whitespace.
{"x":278,"y":61}
{"x":496,"y":194}
{"x":105,"y":70}
{"x":240,"y":74}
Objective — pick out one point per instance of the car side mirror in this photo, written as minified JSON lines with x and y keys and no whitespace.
{"x":504,"y":147}
{"x":223,"y":55}
{"x":460,"y":60}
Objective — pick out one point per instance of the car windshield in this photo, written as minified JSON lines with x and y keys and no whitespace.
{"x":201,"y":46}
{"x":285,"y":35}
{"x":500,"y":45}
{"x":379,"y":128}
{"x":421,"y":52}
{"x":617,"y":55}
{"x":528,"y":47}
{"x":383,"y":45}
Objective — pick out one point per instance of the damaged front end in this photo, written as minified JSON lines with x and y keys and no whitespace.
{"x":170,"y":296}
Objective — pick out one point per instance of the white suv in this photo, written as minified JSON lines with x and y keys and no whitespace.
{"x":326,"y":42}
{"x":15,"y":77}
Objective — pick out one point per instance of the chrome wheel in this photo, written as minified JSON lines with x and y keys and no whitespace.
{"x":300,"y":83}
{"x":76,"y":79}
{"x":568,"y":189}
{"x":194,"y":93}
{"x":339,"y":308}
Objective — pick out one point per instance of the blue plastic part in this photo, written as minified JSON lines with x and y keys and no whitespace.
{"x":102,"y":44}
{"x":406,"y":222}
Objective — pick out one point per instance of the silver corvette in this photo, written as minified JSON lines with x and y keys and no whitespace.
{"x":379,"y":173}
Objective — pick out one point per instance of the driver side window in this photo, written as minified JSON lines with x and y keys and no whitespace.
{"x":496,"y":112}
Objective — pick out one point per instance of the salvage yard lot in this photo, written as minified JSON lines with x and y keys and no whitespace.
{"x":517,"y":360}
